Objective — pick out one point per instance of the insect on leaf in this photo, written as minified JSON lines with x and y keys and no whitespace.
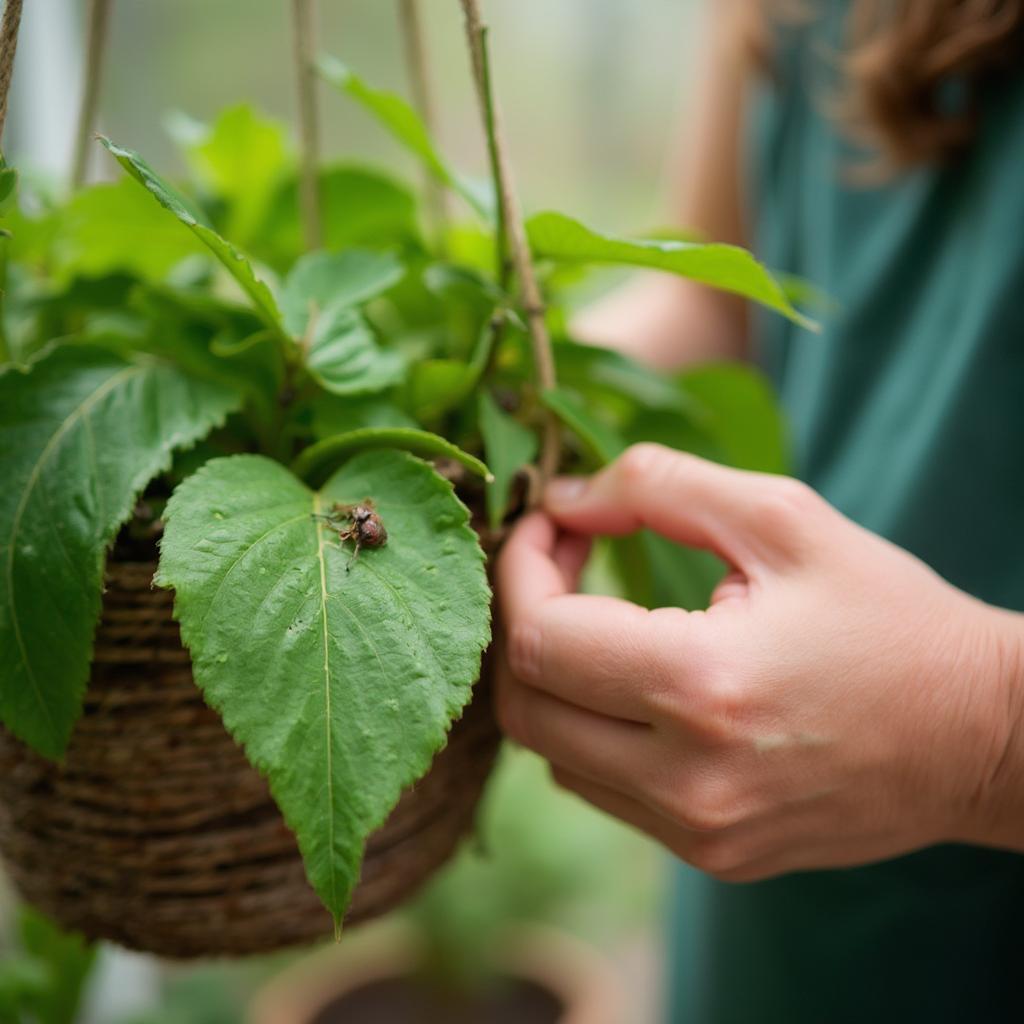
{"x":340,"y":678}
{"x":82,"y":434}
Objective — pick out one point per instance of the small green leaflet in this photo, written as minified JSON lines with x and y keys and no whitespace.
{"x":230,"y":258}
{"x":407,"y":127}
{"x":82,"y":434}
{"x":345,"y":359}
{"x":320,"y":459}
{"x":326,"y":279}
{"x":340,"y":678}
{"x":558,"y":237}
{"x":508,"y":446}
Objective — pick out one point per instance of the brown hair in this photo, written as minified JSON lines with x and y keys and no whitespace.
{"x":900,"y":60}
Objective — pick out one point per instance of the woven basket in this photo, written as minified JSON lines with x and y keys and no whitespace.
{"x":157,"y":834}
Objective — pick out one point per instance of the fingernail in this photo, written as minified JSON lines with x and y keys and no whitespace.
{"x":566,"y":490}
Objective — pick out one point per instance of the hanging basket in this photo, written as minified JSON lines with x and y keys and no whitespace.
{"x":157,"y":834}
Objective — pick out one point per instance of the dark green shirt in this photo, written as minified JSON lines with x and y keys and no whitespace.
{"x":907,"y":413}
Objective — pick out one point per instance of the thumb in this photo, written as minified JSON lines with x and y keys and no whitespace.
{"x":745,"y":518}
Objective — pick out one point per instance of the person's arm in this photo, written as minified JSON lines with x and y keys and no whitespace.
{"x":662,"y":320}
{"x":839,"y":703}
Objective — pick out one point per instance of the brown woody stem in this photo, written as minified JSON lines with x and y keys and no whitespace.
{"x":512,"y":232}
{"x":423,"y":98}
{"x":95,"y":48}
{"x":303,"y":35}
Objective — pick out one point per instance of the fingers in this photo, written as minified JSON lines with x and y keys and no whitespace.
{"x":596,"y":745}
{"x":599,"y":653}
{"x":745,"y":518}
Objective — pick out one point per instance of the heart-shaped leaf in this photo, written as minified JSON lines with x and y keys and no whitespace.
{"x":82,"y":434}
{"x":345,"y":359}
{"x":329,"y":279}
{"x":340,"y":676}
{"x":558,"y":237}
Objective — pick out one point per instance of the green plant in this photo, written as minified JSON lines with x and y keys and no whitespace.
{"x":43,"y":973}
{"x":243,"y":389}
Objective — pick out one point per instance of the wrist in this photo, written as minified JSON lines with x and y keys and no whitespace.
{"x":996,"y":815}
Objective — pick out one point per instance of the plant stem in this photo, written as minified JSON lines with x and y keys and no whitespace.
{"x":8,"y":46}
{"x":95,"y":47}
{"x":511,"y":232}
{"x":419,"y":82}
{"x":303,"y":33}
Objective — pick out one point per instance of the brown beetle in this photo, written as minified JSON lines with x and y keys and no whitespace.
{"x":358,"y":523}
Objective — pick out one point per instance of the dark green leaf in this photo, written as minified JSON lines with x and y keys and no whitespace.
{"x":508,"y":446}
{"x":558,"y":237}
{"x":345,"y":359}
{"x":359,"y":207}
{"x":330,"y":279}
{"x":333,"y":414}
{"x":601,"y":440}
{"x":339,"y":677}
{"x":322,"y":458}
{"x":82,"y":433}
{"x":230,"y":258}
{"x":405,"y":125}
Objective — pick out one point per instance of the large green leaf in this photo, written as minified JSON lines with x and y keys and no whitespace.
{"x":339,"y":677}
{"x":82,"y":434}
{"x":407,"y":127}
{"x":348,"y":278}
{"x":508,"y":446}
{"x":230,"y":258}
{"x":558,"y":237}
{"x":318,"y":460}
{"x":344,"y":357}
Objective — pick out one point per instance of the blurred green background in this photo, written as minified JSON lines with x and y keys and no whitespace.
{"x":592,"y":92}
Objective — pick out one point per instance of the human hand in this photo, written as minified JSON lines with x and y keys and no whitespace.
{"x":838,"y":703}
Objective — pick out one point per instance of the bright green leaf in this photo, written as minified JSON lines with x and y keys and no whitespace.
{"x":241,"y":158}
{"x":728,"y":267}
{"x":338,"y":676}
{"x":116,"y":227}
{"x":82,"y":433}
{"x":508,"y":446}
{"x":345,"y":359}
{"x":335,"y":414}
{"x":323,"y":279}
{"x":402,"y":121}
{"x":320,"y":459}
{"x":230,"y":258}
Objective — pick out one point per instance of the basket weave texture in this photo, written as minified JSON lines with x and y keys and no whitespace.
{"x":157,"y":834}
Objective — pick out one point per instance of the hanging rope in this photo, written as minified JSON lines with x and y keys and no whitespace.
{"x":95,"y":47}
{"x":8,"y":44}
